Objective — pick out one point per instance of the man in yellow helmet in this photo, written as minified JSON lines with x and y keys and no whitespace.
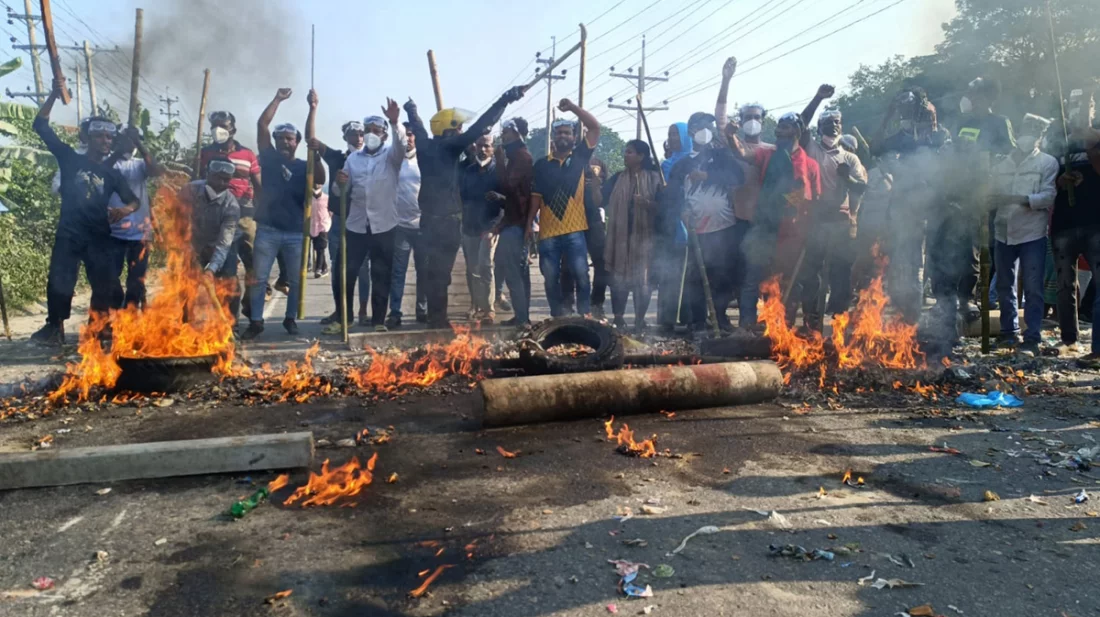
{"x":440,"y":202}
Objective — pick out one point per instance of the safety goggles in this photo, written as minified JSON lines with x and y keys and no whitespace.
{"x":790,"y":118}
{"x":220,"y":116}
{"x":99,"y":126}
{"x":1033,"y":125}
{"x":222,"y":167}
{"x":833,"y":115}
{"x":509,"y":124}
{"x":354,"y":126}
{"x":285,"y":129}
{"x":561,"y":122}
{"x":378,"y":121}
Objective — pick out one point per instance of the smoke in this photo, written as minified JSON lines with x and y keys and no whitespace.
{"x":250,"y":46}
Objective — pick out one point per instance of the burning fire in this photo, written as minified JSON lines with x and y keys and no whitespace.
{"x":299,"y":381}
{"x":625,"y":439}
{"x":860,"y":338}
{"x":179,"y":321}
{"x":330,"y":486}
{"x":396,"y":372}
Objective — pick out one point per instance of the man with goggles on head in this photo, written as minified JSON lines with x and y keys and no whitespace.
{"x":354,"y":134}
{"x":281,"y":209}
{"x":214,"y":216}
{"x":84,"y":228}
{"x":831,"y":251}
{"x":244,"y":184}
{"x":136,"y":230}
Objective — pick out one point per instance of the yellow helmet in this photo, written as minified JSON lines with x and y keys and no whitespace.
{"x":450,"y":119}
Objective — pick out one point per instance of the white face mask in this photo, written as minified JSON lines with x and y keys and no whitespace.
{"x":1026,"y":143}
{"x":965,"y":105}
{"x":220,"y":135}
{"x":702,"y":137}
{"x":485,"y":161}
{"x":829,"y":141}
{"x":372,"y":142}
{"x":753,"y":128}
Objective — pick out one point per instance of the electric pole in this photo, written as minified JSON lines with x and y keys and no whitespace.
{"x":76,"y":69}
{"x":86,"y":49}
{"x":641,"y":80}
{"x":550,"y":79}
{"x":168,"y":101}
{"x":30,"y":20}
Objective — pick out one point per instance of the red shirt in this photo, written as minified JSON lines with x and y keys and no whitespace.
{"x":807,"y":179}
{"x":248,"y":166}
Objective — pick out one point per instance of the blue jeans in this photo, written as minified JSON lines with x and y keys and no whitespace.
{"x":1032,"y":259}
{"x":575,"y":250}
{"x":334,"y":258}
{"x":270,"y":244}
{"x":407,"y":241}
{"x":514,"y":270}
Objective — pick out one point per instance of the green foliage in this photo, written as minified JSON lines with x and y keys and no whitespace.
{"x":27,"y":232}
{"x":609,"y":150}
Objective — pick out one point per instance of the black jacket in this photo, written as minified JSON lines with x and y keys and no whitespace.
{"x":438,"y":158}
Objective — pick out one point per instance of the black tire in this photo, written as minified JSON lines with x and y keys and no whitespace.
{"x":606,"y":342}
{"x":164,"y":374}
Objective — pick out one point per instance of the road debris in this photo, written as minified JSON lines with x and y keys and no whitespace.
{"x":894,"y":583}
{"x":777,"y":520}
{"x":866,"y":579}
{"x":664,"y":571}
{"x":1038,"y":500}
{"x":990,"y":496}
{"x":241,"y":508}
{"x":924,"y":610}
{"x":708,"y":529}
{"x":161,"y":542}
{"x":647,"y":509}
{"x":103,"y":491}
{"x":995,"y":398}
{"x":1081,"y":497}
{"x":272,"y":599}
{"x":800,"y":553}
{"x":423,"y":588}
{"x":505,"y":453}
{"x":42,"y":583}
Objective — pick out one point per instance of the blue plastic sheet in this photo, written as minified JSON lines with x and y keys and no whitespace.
{"x":991,"y":399}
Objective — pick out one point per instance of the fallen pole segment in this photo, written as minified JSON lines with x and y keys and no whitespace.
{"x":556,"y":398}
{"x":162,"y":459}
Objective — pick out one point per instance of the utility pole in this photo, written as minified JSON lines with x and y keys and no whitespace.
{"x":30,"y":20}
{"x":76,"y":68}
{"x":550,"y":79}
{"x":86,"y":49}
{"x":641,"y":80}
{"x":168,"y":101}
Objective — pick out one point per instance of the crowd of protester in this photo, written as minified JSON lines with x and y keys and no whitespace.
{"x":822,"y":210}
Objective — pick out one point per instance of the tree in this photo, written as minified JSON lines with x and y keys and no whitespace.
{"x":609,"y":150}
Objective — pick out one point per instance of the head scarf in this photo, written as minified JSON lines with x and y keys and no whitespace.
{"x":685,"y":148}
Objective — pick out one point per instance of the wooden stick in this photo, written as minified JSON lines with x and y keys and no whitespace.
{"x":51,"y":48}
{"x":4,"y":310}
{"x":161,"y":459}
{"x":343,"y":308}
{"x":549,"y":69}
{"x":202,"y":115}
{"x":135,"y":72}
{"x":584,"y":59}
{"x":433,"y":69}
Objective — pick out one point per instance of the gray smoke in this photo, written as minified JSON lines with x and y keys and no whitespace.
{"x":252,"y":47}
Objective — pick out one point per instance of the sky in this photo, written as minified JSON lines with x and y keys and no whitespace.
{"x":367,"y":52}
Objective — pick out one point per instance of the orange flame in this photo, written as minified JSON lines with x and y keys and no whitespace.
{"x":625,"y":439}
{"x":505,"y":453}
{"x":330,"y":486}
{"x":278,"y":483}
{"x":423,"y":588}
{"x":396,"y":372}
{"x":179,"y":321}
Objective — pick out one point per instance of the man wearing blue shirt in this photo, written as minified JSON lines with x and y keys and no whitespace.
{"x":135,"y":230}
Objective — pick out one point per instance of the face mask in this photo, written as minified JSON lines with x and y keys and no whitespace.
{"x":410,"y":154}
{"x":1026,"y":143}
{"x":373,"y":142}
{"x":829,"y":141}
{"x":220,"y":134}
{"x":702,"y":137}
{"x":753,"y":128}
{"x":965,"y":105}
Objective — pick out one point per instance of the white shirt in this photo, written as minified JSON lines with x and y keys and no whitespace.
{"x":834,"y":194}
{"x":408,"y":193}
{"x":1033,"y":177}
{"x":133,"y":226}
{"x":373,"y":199}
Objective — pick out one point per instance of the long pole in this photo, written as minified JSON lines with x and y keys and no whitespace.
{"x":77,"y":67}
{"x":343,"y":308}
{"x":550,"y":94}
{"x":91,"y":77}
{"x":307,"y":211}
{"x":584,"y":59}
{"x":1071,"y":193}
{"x":135,"y":72}
{"x":641,"y":91}
{"x":51,"y":47}
{"x":4,"y":310}
{"x":202,"y":116}
{"x":34,"y":51}
{"x":433,"y":69}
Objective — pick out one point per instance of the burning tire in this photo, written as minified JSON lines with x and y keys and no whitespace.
{"x":164,"y":374}
{"x":606,"y":344}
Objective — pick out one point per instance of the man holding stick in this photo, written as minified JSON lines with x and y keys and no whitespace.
{"x":245,"y":185}
{"x":280,"y":211}
{"x":84,"y":229}
{"x":557,"y":197}
{"x":134,"y":231}
{"x":408,"y":239}
{"x":214,"y":217}
{"x":440,"y":202}
{"x":372,"y":174}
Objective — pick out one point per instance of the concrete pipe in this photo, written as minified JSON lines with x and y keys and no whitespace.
{"x":555,"y":398}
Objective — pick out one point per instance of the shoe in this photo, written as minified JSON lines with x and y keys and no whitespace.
{"x":440,"y":325}
{"x":282,"y":286}
{"x":333,"y":329}
{"x":380,"y":328}
{"x":421,"y":318}
{"x":514,"y":323}
{"x":393,"y":321}
{"x":268,"y":293}
{"x":597,"y":312}
{"x":334,"y":317}
{"x":291,"y":326}
{"x":488,"y":318}
{"x":667,"y":328}
{"x":50,"y":334}
{"x":640,"y":326}
{"x":1006,"y":342}
{"x":1090,"y":362}
{"x":363,"y":319}
{"x":619,"y":323}
{"x":252,"y":331}
{"x":1030,"y":349}
{"x":471,"y":314}
{"x":503,"y":305}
